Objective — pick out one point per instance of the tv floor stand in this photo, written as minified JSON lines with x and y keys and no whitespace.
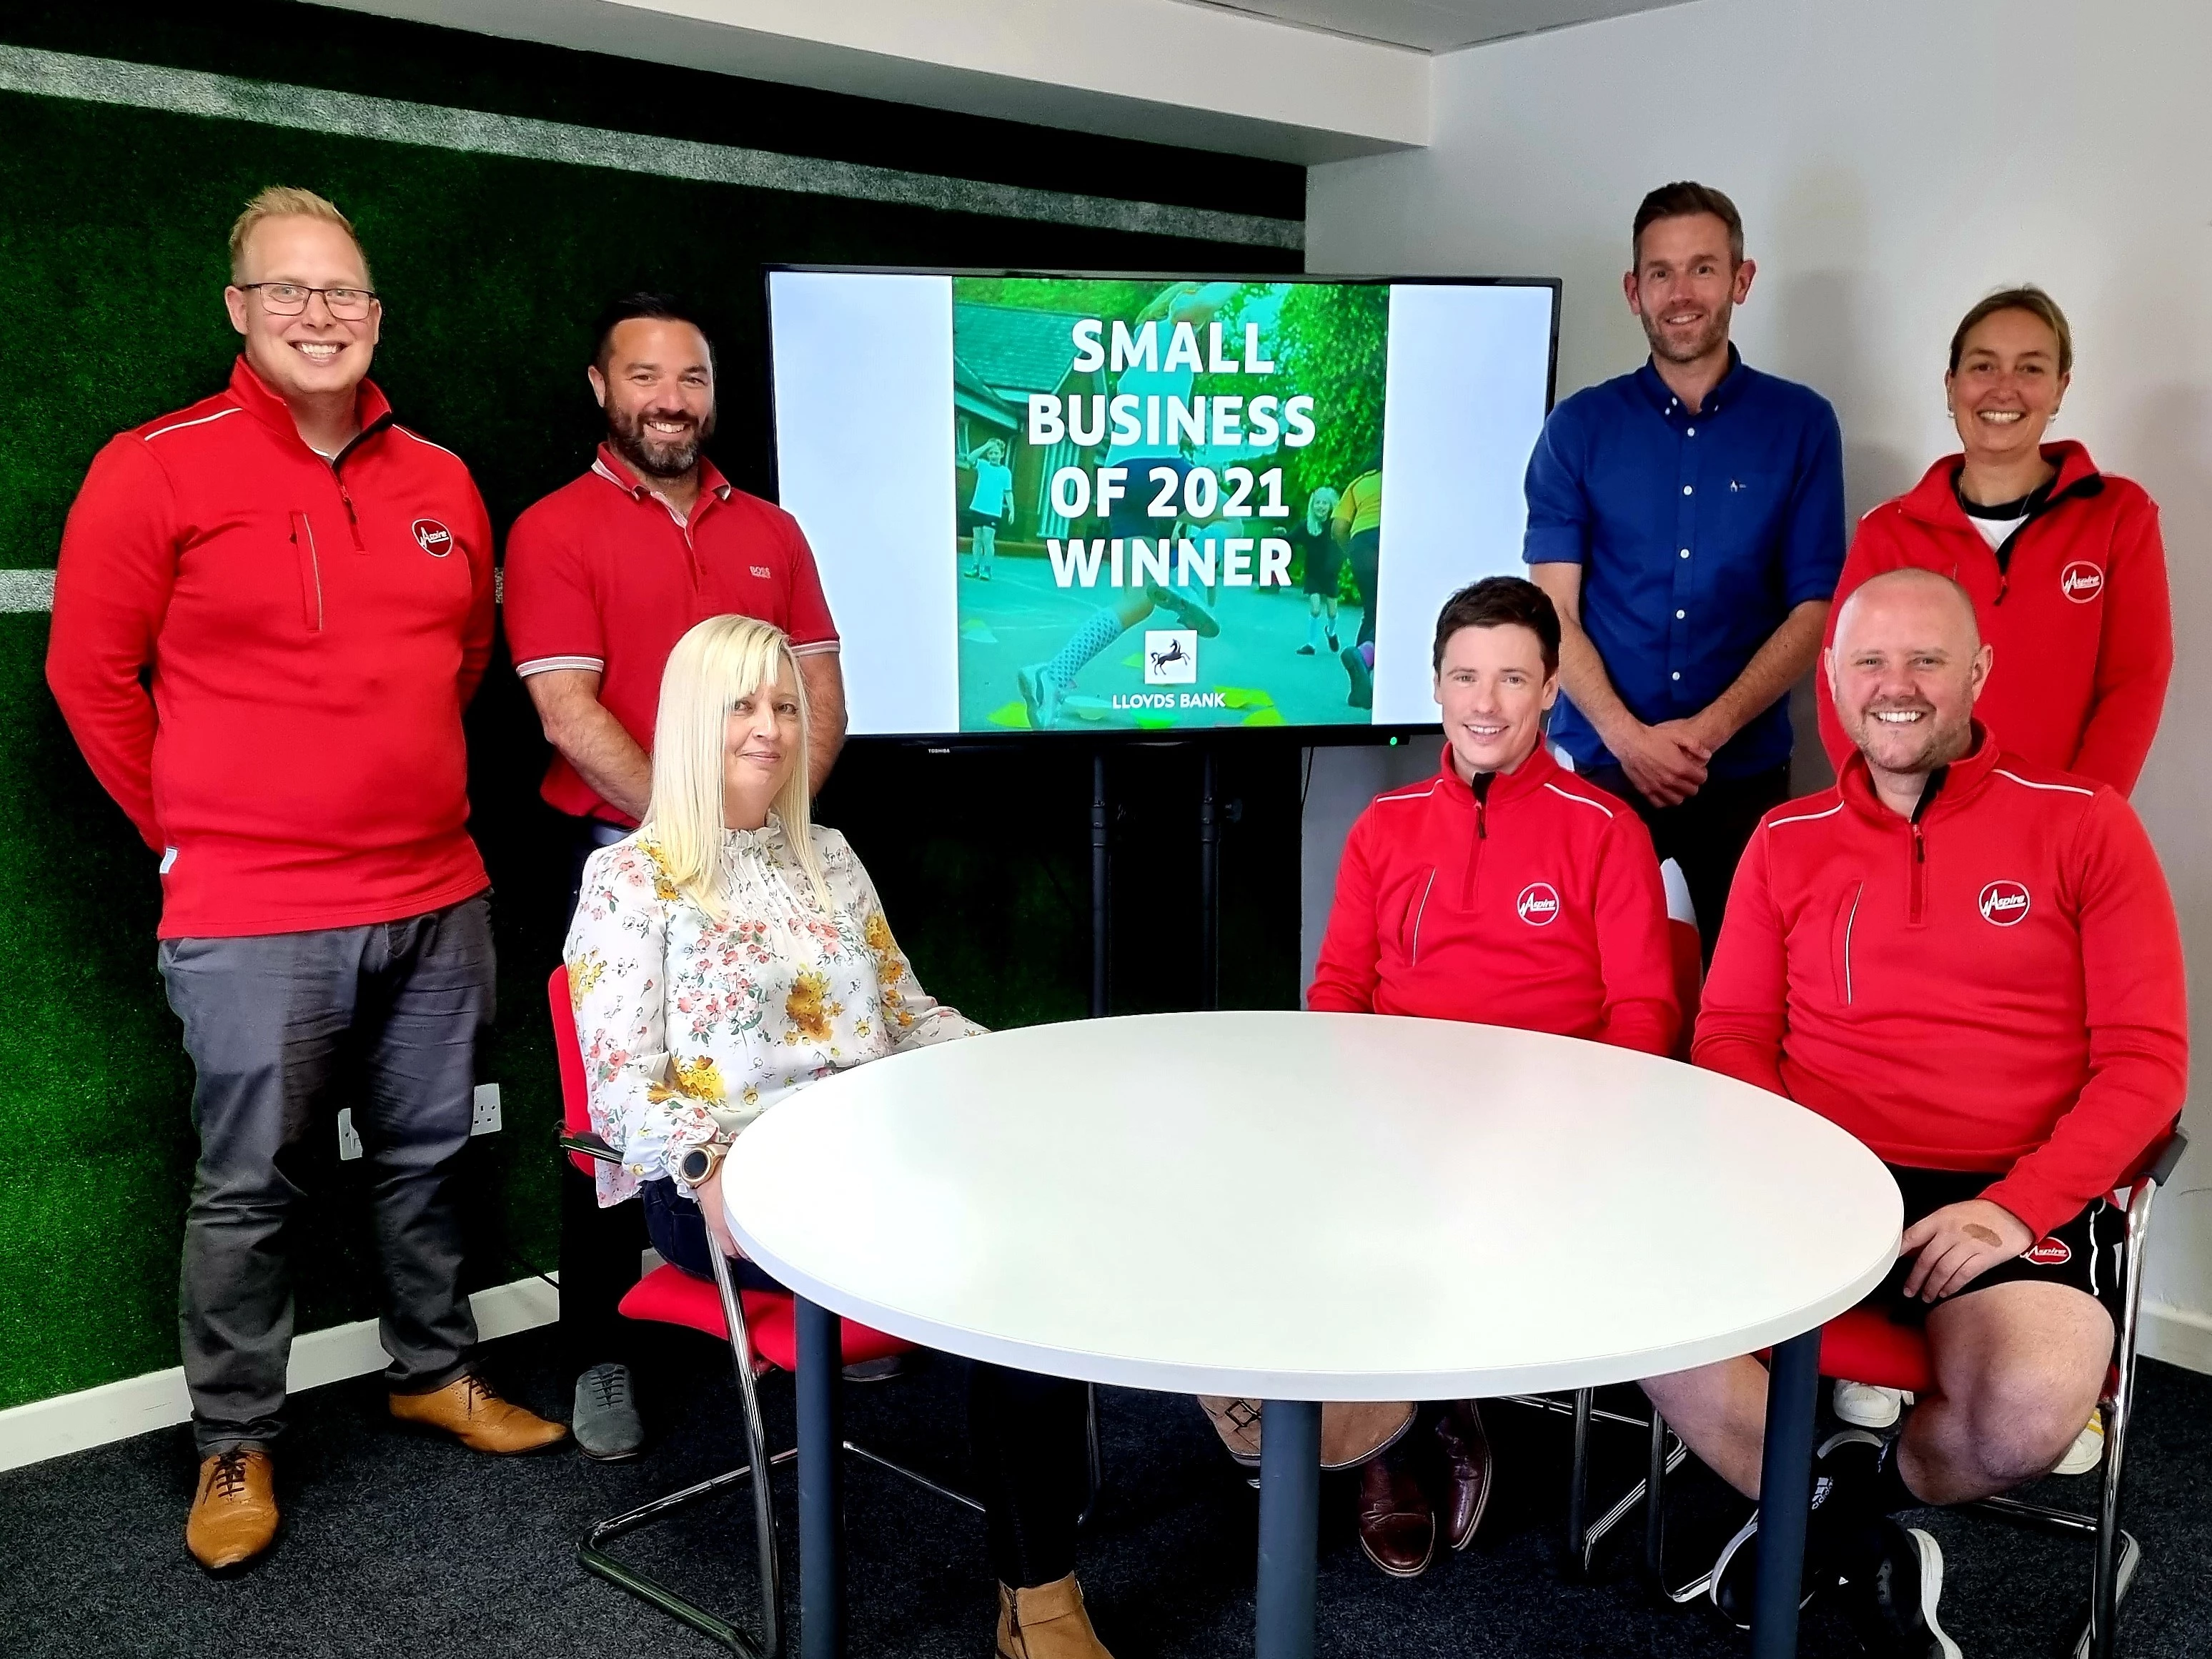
{"x":1101,"y":884}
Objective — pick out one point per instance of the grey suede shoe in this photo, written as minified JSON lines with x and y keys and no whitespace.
{"x":605,"y":1421}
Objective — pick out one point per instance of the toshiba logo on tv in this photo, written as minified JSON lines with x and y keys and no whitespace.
{"x":2004,"y":902}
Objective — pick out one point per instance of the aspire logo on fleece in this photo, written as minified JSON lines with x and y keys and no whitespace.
{"x":2081,"y":581}
{"x":2004,"y":902}
{"x":1538,"y":905}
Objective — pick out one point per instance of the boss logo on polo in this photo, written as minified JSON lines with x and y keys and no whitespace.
{"x":2081,"y":581}
{"x":433,"y":538}
{"x":1538,"y":905}
{"x":2004,"y":902}
{"x":2050,"y":1253}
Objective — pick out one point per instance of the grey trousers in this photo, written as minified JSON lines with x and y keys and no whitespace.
{"x":269,"y":1021}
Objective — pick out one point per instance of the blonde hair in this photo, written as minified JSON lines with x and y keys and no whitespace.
{"x":719,"y":661}
{"x":2026,"y":297}
{"x":290,"y":202}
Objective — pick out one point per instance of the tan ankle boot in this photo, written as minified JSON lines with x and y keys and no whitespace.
{"x":1047,"y":1622}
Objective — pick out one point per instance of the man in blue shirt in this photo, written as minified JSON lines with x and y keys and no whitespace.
{"x":1687,"y":522}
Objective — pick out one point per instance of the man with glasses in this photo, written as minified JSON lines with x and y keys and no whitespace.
{"x":270,"y":610}
{"x":603,"y":577}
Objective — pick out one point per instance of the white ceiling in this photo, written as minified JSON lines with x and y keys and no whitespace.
{"x":1435,"y":24}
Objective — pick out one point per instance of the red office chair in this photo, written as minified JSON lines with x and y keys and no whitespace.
{"x":759,"y":1325}
{"x":1865,"y":1345}
{"x":1688,"y":952}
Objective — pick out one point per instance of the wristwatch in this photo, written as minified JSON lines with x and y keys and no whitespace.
{"x":699,"y":1163}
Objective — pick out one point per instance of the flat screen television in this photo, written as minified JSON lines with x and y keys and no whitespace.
{"x":1094,"y":503}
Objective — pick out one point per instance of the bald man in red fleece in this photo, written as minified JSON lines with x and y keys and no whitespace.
{"x":1503,"y":891}
{"x":1972,"y":963}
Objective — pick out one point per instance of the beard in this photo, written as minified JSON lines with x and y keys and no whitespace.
{"x":1677,"y":349}
{"x":1910,"y":751}
{"x":656,"y":457}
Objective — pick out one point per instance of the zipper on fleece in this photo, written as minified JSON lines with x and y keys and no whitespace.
{"x":311,"y":573}
{"x":1929,"y":791}
{"x":1413,"y":959}
{"x":1481,"y":789}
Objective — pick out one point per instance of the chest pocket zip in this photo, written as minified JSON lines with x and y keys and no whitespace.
{"x":311,"y":573}
{"x":1415,"y":958}
{"x":1849,"y":922}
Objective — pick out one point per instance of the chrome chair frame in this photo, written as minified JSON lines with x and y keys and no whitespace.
{"x":593,"y":1557}
{"x":2118,"y":1553}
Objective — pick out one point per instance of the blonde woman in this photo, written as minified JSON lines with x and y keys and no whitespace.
{"x":728,"y":952}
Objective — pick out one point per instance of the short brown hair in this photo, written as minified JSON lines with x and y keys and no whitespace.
{"x":290,"y":202}
{"x":1500,"y":602}
{"x":1680,"y":200}
{"x":2029,"y":298}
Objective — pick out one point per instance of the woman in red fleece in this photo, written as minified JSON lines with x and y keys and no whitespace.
{"x":2064,"y":563}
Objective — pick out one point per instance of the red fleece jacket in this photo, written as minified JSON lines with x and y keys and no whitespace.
{"x":2080,"y":619}
{"x":1539,"y":907}
{"x":1998,"y":987}
{"x":311,"y":631}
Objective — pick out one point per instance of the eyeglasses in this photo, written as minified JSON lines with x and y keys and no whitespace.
{"x":347,"y":305}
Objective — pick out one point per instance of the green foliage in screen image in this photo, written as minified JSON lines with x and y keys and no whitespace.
{"x":1332,"y":344}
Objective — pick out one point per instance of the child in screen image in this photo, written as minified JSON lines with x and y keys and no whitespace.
{"x":1314,"y":537}
{"x":1358,"y":523}
{"x":992,"y":502}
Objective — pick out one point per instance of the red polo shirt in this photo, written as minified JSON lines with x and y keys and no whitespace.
{"x":603,"y":575}
{"x":310,"y":631}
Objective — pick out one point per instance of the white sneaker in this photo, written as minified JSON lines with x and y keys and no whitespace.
{"x":2088,"y":1450}
{"x":1866,"y":1406}
{"x":1040,"y":696}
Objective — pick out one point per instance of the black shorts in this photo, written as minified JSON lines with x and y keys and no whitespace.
{"x":1324,"y":564}
{"x":2088,"y":1254}
{"x":971,"y":520}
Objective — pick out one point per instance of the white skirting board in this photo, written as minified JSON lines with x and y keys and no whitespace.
{"x":116,"y":1410}
{"x":2179,"y":1336}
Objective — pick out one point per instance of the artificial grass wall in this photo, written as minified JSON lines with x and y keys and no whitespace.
{"x":112,"y":262}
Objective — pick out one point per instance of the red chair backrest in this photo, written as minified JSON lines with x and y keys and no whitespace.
{"x":1688,"y":953}
{"x":575,"y":1101}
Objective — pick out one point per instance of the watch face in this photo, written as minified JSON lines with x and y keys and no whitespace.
{"x":694,"y":1165}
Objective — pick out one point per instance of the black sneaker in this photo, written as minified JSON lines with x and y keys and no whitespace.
{"x":1894,"y":1610}
{"x":1828,"y":1540}
{"x":1305,"y":651}
{"x":1734,"y":1587}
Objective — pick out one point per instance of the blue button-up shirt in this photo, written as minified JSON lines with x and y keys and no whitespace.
{"x":1697,"y":535}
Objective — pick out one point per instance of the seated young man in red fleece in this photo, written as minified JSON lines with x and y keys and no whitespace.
{"x":1504,"y":892}
{"x":1973,"y":964}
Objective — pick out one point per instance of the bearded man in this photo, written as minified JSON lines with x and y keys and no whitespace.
{"x":1687,"y":520}
{"x":603,"y":577}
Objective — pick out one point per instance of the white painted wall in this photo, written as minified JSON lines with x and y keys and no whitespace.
{"x":1894,"y":160}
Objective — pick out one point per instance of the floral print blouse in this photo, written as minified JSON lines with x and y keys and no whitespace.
{"x":691,"y":1028}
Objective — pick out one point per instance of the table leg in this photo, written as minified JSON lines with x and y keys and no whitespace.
{"x":1290,"y":1524}
{"x":821,"y":1542}
{"x":1785,"y":1488}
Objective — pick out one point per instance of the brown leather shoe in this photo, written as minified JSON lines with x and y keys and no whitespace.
{"x":1467,"y":1472}
{"x":470,"y":1410}
{"x":1397,"y":1528}
{"x":1047,"y":1622}
{"x":234,"y":1514}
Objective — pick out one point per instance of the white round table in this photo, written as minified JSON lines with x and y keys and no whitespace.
{"x":1306,"y":1207}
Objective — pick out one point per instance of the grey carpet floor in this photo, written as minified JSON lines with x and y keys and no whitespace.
{"x":399,"y":1545}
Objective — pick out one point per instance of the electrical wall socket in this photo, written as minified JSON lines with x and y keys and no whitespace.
{"x":485,"y":1119}
{"x":348,"y":1139}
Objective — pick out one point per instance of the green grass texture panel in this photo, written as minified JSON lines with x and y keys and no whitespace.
{"x":111,"y":262}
